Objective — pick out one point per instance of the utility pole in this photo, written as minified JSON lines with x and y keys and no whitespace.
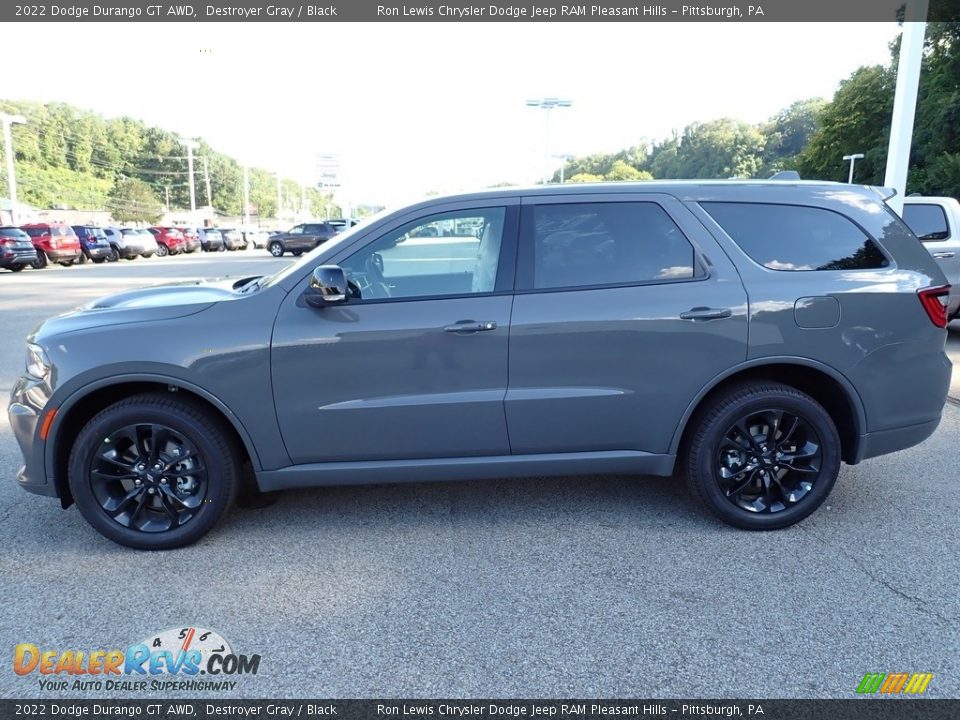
{"x":853,"y":159}
{"x":246,"y":196}
{"x":206,"y":179}
{"x":303,"y":202}
{"x":279,"y":196}
{"x":190,"y":145}
{"x":547,"y":104}
{"x":7,"y":121}
{"x":166,"y":192}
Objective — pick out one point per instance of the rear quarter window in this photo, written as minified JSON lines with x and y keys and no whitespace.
{"x":797,"y":237}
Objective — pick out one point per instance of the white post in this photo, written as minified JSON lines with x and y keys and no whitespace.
{"x":206,"y":179}
{"x":246,"y":197}
{"x":853,"y":159}
{"x":905,"y":100}
{"x":279,"y":197}
{"x":190,"y":144}
{"x":7,"y":121}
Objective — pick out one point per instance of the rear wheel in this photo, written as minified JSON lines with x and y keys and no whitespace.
{"x":162,"y":250}
{"x":763,"y":456}
{"x":66,"y":263}
{"x":275,"y":248}
{"x":41,"y":261}
{"x":114,"y":254}
{"x":16,"y":268}
{"x":153,"y":472}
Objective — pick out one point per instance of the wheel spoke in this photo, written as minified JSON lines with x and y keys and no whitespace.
{"x":745,"y":432}
{"x":788,"y":435}
{"x":141,"y":503}
{"x":742,"y":484}
{"x":117,"y":463}
{"x":122,"y":502}
{"x":774,"y":427}
{"x":169,"y":509}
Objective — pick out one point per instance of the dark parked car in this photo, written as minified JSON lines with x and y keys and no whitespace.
{"x":93,"y":243}
{"x":210,"y":239}
{"x":16,"y":249}
{"x":54,"y":242}
{"x":300,"y":238}
{"x":233,"y":239}
{"x":749,"y":335}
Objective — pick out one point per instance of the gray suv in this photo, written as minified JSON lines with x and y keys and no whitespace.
{"x":301,"y":238}
{"x":748,"y":336}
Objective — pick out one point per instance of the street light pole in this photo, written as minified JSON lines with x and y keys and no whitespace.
{"x":547,"y":104}
{"x":190,"y":145}
{"x":853,"y":159}
{"x":7,"y":121}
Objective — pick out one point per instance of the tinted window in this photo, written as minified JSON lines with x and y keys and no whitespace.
{"x":13,"y":232}
{"x":928,"y":222}
{"x":405,"y":263}
{"x":794,"y":237}
{"x":36,"y":232}
{"x":616,"y":243}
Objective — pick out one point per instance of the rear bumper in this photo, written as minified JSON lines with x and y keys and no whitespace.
{"x":98,"y":252}
{"x":17,"y":258}
{"x":884,"y":442}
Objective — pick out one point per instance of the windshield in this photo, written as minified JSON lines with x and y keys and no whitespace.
{"x":332,"y":244}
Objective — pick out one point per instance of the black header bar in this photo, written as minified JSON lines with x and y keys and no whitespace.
{"x":475,"y":11}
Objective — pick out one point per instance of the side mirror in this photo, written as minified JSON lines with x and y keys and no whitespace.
{"x":328,"y":286}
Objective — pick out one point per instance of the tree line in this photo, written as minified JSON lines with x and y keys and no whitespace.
{"x":72,"y":158}
{"x":812,"y":136}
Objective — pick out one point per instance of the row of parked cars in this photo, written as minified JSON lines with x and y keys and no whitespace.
{"x":39,"y":244}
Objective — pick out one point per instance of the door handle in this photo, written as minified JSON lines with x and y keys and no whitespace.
{"x":943,"y":255}
{"x":705,"y":313}
{"x":463,"y":327}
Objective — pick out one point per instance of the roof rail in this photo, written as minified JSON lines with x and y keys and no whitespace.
{"x":786,"y":175}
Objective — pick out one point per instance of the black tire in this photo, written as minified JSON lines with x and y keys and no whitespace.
{"x":755,"y":483}
{"x":17,"y":268}
{"x":83,"y":258}
{"x":98,"y":260}
{"x":131,"y":257}
{"x":66,"y":263}
{"x":114,"y":254}
{"x":41,"y":261}
{"x":275,"y":248}
{"x":162,"y":250}
{"x":204,"y":442}
{"x":297,"y":253}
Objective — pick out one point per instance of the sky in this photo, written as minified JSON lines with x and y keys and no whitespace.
{"x":412,"y":108}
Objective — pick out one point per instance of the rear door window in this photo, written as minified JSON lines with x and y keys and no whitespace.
{"x":605,"y":243}
{"x":928,"y":222}
{"x":797,"y":237}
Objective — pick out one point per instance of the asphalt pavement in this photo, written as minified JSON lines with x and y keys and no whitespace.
{"x":578,"y":587}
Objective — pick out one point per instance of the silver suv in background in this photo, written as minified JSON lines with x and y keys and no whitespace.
{"x":747,"y":336}
{"x":936,"y":221}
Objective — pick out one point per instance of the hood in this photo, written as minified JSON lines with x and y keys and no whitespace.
{"x":162,"y":302}
{"x":188,"y":292}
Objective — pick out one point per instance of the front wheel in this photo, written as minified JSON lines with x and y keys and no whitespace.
{"x":41,"y":261}
{"x":114,"y":254}
{"x":153,"y":472}
{"x":276,"y":249}
{"x":162,"y":250}
{"x":763,"y":456}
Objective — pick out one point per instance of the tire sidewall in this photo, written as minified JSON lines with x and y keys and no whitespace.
{"x":704,"y":470}
{"x":215,"y":457}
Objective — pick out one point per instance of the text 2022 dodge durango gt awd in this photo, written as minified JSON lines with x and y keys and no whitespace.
{"x":749,"y":336}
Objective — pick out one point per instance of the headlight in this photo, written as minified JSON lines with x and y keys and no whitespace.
{"x":37,"y":364}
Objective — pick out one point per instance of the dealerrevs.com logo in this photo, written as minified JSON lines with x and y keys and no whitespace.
{"x":189,"y":658}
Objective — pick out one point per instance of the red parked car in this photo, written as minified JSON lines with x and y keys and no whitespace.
{"x":170,"y":240}
{"x":191,"y":239}
{"x":54,"y":242}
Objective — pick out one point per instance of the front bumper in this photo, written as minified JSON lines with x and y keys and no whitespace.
{"x":28,"y":402}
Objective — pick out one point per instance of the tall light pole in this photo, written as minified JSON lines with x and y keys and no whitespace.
{"x":190,"y":145}
{"x":905,"y":100}
{"x":547,"y":104}
{"x":563,"y":166}
{"x":246,"y":196}
{"x":7,"y":121}
{"x":853,"y":159}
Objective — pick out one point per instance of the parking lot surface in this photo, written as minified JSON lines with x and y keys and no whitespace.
{"x":578,"y":587}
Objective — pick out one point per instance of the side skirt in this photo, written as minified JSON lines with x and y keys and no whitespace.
{"x":611,"y":462}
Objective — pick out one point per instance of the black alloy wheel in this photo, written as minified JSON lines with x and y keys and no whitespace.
{"x":769,"y":461}
{"x":762,"y":455}
{"x":153,"y":471}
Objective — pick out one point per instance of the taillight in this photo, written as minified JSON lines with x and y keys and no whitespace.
{"x":934,"y":301}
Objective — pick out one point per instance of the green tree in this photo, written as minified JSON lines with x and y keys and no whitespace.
{"x":856,"y":120}
{"x":132,"y":200}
